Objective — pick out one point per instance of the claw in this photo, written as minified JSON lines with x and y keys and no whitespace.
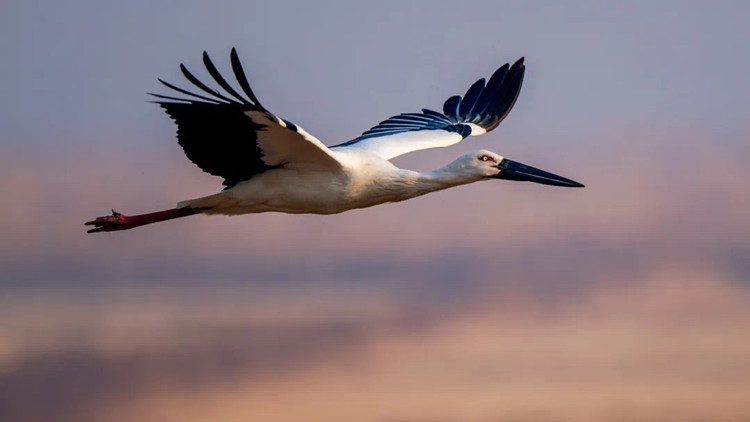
{"x":116,"y":221}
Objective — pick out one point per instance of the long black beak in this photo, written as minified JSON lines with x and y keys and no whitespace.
{"x":511,"y":170}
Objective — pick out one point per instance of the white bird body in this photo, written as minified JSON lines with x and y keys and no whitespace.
{"x":272,"y":165}
{"x":364,"y":180}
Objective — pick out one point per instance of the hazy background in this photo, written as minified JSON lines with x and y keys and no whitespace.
{"x":627,"y":300}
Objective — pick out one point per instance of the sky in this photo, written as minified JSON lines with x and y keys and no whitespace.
{"x":643,"y":103}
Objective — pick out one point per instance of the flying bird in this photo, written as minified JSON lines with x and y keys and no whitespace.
{"x":271,"y":164}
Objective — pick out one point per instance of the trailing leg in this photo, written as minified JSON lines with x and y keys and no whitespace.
{"x":118,"y":221}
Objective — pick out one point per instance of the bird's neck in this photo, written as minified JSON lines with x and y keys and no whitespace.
{"x":435,"y":180}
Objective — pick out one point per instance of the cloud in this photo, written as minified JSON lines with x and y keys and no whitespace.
{"x":658,"y":347}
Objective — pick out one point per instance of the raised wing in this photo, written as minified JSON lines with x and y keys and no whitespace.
{"x":480,"y":110}
{"x":237,"y":138}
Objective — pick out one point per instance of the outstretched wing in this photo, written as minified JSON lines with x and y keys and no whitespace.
{"x":480,"y":110}
{"x":237,"y":138}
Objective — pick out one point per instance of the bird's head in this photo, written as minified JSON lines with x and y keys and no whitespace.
{"x":485,"y":164}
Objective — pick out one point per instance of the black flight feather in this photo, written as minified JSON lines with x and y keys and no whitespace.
{"x":220,"y":80}
{"x":239,"y":74}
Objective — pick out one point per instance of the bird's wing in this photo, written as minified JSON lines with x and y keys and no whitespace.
{"x":480,"y":110}
{"x":235,"y":137}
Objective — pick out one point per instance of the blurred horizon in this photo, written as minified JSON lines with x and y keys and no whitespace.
{"x":498,"y":301}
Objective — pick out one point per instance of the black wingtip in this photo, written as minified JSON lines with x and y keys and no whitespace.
{"x":470,"y":98}
{"x":195,"y":81}
{"x":450,"y":107}
{"x":239,"y":74}
{"x":186,"y":92}
{"x":220,"y":79}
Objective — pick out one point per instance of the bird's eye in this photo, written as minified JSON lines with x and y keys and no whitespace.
{"x":485,"y":158}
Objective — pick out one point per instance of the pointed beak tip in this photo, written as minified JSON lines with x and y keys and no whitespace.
{"x":512,"y":170}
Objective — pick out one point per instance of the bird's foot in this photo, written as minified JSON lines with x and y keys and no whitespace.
{"x":109,"y":223}
{"x":117,"y":221}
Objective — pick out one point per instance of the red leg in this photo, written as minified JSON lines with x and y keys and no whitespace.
{"x":119,"y":221}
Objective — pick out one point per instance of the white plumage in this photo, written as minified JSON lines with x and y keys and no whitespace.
{"x":270,"y":164}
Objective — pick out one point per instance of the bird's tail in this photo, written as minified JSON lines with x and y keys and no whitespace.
{"x":216,"y":203}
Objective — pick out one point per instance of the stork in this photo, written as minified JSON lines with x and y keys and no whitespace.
{"x":272,"y":164}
